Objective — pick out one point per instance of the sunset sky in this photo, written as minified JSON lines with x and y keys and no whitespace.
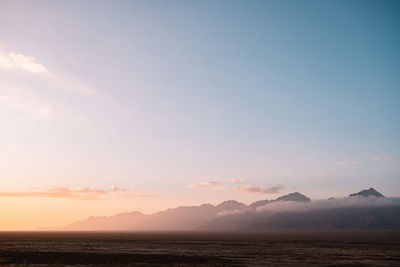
{"x":117,"y":106}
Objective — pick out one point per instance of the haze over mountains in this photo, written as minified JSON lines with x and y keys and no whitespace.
{"x":367,"y":209}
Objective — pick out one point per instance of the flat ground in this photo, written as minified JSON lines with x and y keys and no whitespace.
{"x":277,"y":248}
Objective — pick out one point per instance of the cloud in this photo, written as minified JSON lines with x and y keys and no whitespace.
{"x":114,"y":188}
{"x":56,"y":81}
{"x":82,"y":193}
{"x":237,"y":181}
{"x":347,"y":162}
{"x":231,"y":212}
{"x":12,"y":61}
{"x":383,"y":157}
{"x":291,"y":206}
{"x":213,"y":185}
{"x":323,"y":174}
{"x":250,"y":189}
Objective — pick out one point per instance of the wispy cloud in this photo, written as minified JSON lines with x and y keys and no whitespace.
{"x":237,"y":181}
{"x":347,"y":162}
{"x":323,"y":176}
{"x":250,"y":189}
{"x":285,"y":206}
{"x":383,"y":157}
{"x":213,"y":185}
{"x":12,"y":61}
{"x":16,"y":104}
{"x":82,"y":193}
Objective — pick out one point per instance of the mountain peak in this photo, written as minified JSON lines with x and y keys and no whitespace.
{"x":231,"y":205}
{"x":367,"y":193}
{"x":296,"y":196}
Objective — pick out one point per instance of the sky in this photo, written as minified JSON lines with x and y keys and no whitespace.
{"x":117,"y":106}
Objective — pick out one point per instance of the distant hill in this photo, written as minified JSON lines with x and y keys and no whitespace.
{"x":122,"y":222}
{"x":189,"y":217}
{"x":367,"y":209}
{"x":296,"y":196}
{"x":259,"y":203}
{"x":385,"y":217}
{"x":180,"y":218}
{"x":367,"y":193}
{"x":230,"y":205}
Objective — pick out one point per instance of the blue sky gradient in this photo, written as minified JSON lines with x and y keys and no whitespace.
{"x":303,"y":94}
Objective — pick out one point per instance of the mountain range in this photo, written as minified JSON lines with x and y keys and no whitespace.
{"x":367,"y":209}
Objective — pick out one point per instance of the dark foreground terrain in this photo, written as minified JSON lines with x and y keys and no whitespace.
{"x":282,"y":248}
